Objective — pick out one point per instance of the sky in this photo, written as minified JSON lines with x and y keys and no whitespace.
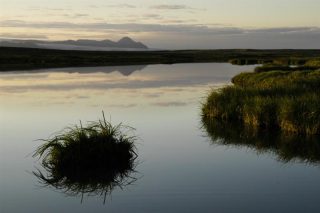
{"x":169,"y":24}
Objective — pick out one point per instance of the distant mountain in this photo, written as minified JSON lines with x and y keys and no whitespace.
{"x":128,"y":42}
{"x":125,"y":43}
{"x":18,"y":43}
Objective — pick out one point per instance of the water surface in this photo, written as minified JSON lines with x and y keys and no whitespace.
{"x":182,"y":167}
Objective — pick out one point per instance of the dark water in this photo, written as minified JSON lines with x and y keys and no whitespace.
{"x":184,"y":165}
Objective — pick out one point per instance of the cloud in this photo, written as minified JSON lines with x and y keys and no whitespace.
{"x":128,"y":27}
{"x":76,"y":97}
{"x":153,"y":95}
{"x":170,"y":103}
{"x":285,"y":30}
{"x":22,"y":36}
{"x":47,"y":9}
{"x":152,"y":16}
{"x":80,"y":15}
{"x":122,"y":5}
{"x":12,"y":23}
{"x":113,"y":6}
{"x":177,"y":35}
{"x":176,"y":28}
{"x":68,"y":15}
{"x":122,"y":105}
{"x":170,"y":7}
{"x":177,"y":21}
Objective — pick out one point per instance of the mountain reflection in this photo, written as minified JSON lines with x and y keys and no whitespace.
{"x":285,"y":146}
{"x":124,"y":70}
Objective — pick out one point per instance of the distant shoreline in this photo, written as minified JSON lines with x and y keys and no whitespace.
{"x":15,"y":59}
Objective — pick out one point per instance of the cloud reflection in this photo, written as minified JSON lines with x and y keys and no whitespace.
{"x":170,"y":103}
{"x":104,"y":78}
{"x":129,"y":87}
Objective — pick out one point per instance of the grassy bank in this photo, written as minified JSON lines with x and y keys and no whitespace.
{"x":29,"y":58}
{"x":313,"y":62}
{"x":280,"y":60}
{"x":274,"y":100}
{"x":267,"y":68}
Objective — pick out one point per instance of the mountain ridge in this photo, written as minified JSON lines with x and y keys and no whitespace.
{"x":80,"y":44}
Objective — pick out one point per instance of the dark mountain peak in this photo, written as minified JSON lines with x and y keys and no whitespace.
{"x":126,"y":39}
{"x":128,"y":42}
{"x":107,"y":40}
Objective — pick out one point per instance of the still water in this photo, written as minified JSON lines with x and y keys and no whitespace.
{"x":183,"y":166}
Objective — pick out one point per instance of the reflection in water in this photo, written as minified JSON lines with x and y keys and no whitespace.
{"x":286,"y":147}
{"x":94,"y":183}
{"x":90,"y":160}
{"x":154,"y":86}
{"x":124,"y":70}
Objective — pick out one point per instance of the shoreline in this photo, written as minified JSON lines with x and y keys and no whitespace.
{"x":15,"y":59}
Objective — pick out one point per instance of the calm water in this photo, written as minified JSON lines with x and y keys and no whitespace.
{"x":182,"y":167}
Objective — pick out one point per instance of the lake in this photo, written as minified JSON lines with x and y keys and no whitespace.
{"x":182,"y":165}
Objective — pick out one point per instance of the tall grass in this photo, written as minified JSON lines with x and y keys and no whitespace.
{"x":288,"y":101}
{"x":272,"y":61}
{"x":313,"y":62}
{"x":273,"y":67}
{"x":93,"y":159}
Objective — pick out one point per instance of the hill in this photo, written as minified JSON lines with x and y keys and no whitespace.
{"x":124,"y":43}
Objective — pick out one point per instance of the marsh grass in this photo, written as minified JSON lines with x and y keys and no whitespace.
{"x":278,"y":100}
{"x":313,"y":62}
{"x":275,"y":67}
{"x":291,"y":64}
{"x":286,"y":147}
{"x":88,"y":160}
{"x":268,"y":61}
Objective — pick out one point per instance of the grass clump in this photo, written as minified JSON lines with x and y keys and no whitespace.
{"x":93,"y":159}
{"x":277,"y":100}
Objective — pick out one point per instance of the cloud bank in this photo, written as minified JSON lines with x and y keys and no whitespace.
{"x":188,"y":35}
{"x":177,"y":28}
{"x":170,"y":7}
